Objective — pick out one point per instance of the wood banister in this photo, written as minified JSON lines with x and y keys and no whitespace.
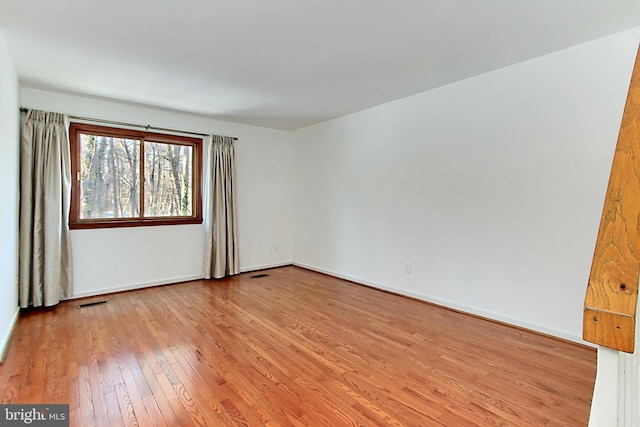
{"x":610,"y":303}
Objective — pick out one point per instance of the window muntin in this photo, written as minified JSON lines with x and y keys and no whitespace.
{"x":130,"y":178}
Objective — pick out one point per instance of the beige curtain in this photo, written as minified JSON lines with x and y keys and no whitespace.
{"x":45,"y":185}
{"x":221,"y":238}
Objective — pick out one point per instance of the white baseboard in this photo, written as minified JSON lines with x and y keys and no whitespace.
{"x":172,"y":281}
{"x":134,"y":286}
{"x":264,"y":267}
{"x":426,"y":298}
{"x":452,"y":305}
{"x":7,"y":336}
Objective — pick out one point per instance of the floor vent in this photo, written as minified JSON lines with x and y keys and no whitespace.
{"x":90,"y":304}
{"x":259,"y":276}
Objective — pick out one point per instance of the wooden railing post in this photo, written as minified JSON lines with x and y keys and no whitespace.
{"x":610,"y":303}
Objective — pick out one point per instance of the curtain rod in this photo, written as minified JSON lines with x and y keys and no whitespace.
{"x":147,"y":127}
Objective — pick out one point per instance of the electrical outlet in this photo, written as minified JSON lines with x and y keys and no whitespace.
{"x":276,"y":248}
{"x":407,"y":267}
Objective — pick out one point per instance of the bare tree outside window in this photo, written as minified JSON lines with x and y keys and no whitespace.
{"x":109,"y":177}
{"x":167,"y":179}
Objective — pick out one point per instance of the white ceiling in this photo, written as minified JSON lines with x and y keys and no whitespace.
{"x":286,"y":63}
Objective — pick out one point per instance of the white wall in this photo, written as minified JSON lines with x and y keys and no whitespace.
{"x":108,"y":260}
{"x":492,"y":187}
{"x":9,"y":170}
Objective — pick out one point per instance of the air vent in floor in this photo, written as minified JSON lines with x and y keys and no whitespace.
{"x":259,"y":276}
{"x":91,"y":304}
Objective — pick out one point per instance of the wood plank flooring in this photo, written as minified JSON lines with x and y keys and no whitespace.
{"x":296,"y":348}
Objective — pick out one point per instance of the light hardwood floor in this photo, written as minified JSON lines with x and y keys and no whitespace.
{"x":291,"y":349}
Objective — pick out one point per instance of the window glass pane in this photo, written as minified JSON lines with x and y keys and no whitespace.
{"x":168,"y":183}
{"x":109,"y":177}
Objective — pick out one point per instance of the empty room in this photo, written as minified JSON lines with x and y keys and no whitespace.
{"x":281,"y":213}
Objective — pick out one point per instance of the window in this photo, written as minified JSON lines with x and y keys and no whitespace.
{"x":123,"y":178}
